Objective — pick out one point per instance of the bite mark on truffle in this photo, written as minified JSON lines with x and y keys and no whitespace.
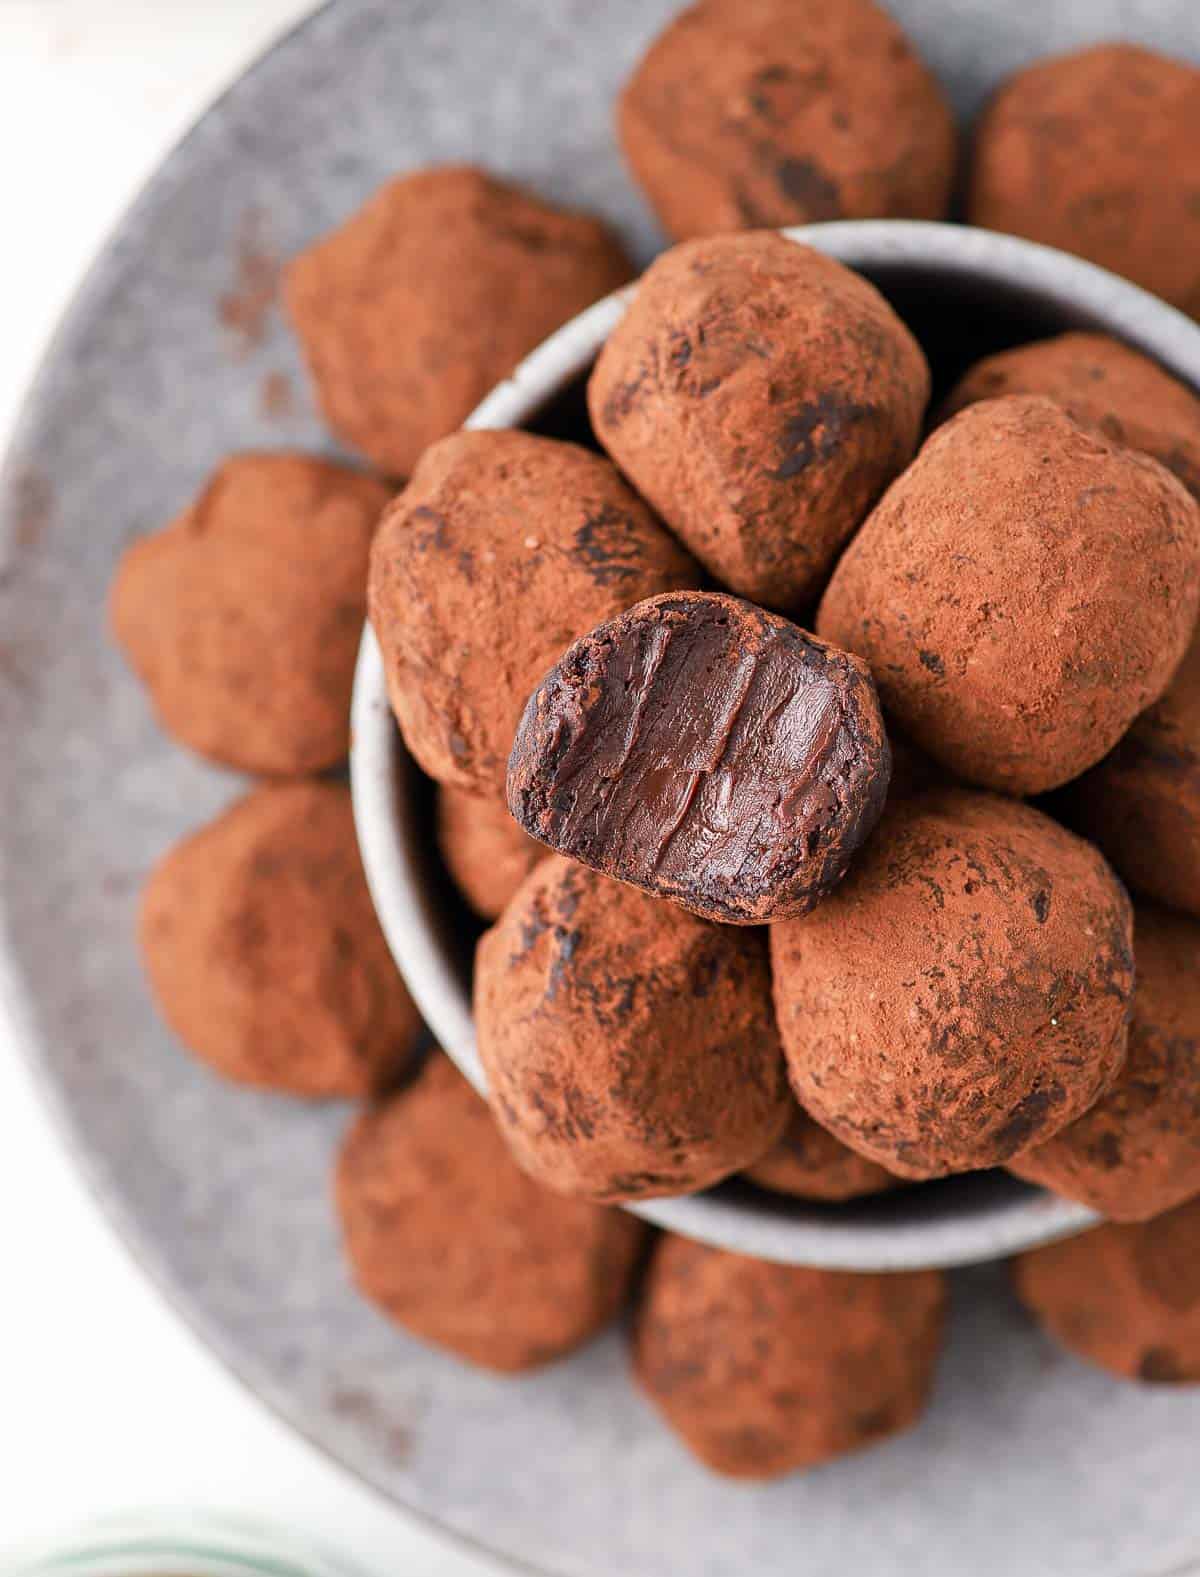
{"x":702,"y":749}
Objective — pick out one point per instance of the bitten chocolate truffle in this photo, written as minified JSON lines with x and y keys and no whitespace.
{"x":486,"y":853}
{"x":1100,"y":383}
{"x":243,"y":616}
{"x":1136,"y":1153}
{"x":451,"y":1239}
{"x":263,"y":950}
{"x":630,"y":1049}
{"x":502,"y":549}
{"x":1092,"y":153}
{"x":1124,"y":1297}
{"x":1023,"y":591}
{"x":761,"y":397}
{"x":965,"y":993}
{"x":705,"y":751}
{"x":751,"y":114}
{"x":809,"y":1163}
{"x":762,"y":1369}
{"x":431,"y":294}
{"x":1142,"y":803}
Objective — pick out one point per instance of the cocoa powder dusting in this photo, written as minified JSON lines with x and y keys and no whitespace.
{"x":630,"y":1047}
{"x":763,"y":1369}
{"x":449,"y":1238}
{"x":1126,"y":1297}
{"x":275,"y":396}
{"x":245,"y":307}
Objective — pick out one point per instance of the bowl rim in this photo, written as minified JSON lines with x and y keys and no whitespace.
{"x":980,"y":1216}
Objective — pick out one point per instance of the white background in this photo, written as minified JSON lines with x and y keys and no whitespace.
{"x":106,"y":1401}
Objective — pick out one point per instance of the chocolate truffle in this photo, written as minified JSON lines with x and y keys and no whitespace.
{"x":1142,"y":803}
{"x":1099,"y":383}
{"x":431,"y":294}
{"x":762,"y":1369}
{"x":502,"y":549}
{"x":1093,"y":153}
{"x":707,"y":752}
{"x":761,"y":397}
{"x":451,"y":1239}
{"x":1124,"y":1297}
{"x":750,"y":114}
{"x":262,"y":947}
{"x":1023,"y":591}
{"x":243,"y":617}
{"x":486,"y":853}
{"x":810,"y":1163}
{"x":964,"y":993}
{"x":630,"y":1049}
{"x":1136,"y":1153}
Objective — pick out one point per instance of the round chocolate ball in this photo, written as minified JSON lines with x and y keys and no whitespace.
{"x":1100,"y":383}
{"x":705,"y":751}
{"x":1090,"y":153}
{"x":761,"y":397}
{"x":501,"y":550}
{"x":431,"y":294}
{"x":452,"y":1241}
{"x":764,"y":1369}
{"x":1124,"y":1297}
{"x":630,"y":1049}
{"x":262,"y":947}
{"x":243,"y":617}
{"x":1023,"y":591}
{"x":752,"y":114}
{"x":1141,"y":804}
{"x":1136,"y":1153}
{"x":486,"y":853}
{"x":965,"y":993}
{"x":809,"y":1163}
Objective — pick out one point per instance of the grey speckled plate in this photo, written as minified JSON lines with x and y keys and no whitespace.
{"x":173,"y":355}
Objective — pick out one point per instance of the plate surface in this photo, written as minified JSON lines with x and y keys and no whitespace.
{"x":172,"y":356}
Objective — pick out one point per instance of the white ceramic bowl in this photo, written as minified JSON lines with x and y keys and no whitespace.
{"x":964,"y":292}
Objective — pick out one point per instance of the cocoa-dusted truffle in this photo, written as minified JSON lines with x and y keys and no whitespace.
{"x":243,"y":617}
{"x":630,"y":1049}
{"x":264,"y":952}
{"x":762,"y":1369}
{"x":964,"y":993}
{"x":1142,"y":803}
{"x":1022,"y":592}
{"x":431,"y":294}
{"x":761,"y":396}
{"x":485,"y":851}
{"x":502,"y":549}
{"x":1136,"y":1153}
{"x":1124,"y":1297}
{"x":749,"y":114}
{"x":456,"y":1244}
{"x":1090,"y":153}
{"x":708,"y":752}
{"x":811,"y":1164}
{"x":1102,"y":383}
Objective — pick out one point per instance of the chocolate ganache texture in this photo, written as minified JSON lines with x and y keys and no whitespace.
{"x":708,"y":752}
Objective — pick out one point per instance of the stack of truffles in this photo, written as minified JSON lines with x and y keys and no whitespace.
{"x":794,"y":736}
